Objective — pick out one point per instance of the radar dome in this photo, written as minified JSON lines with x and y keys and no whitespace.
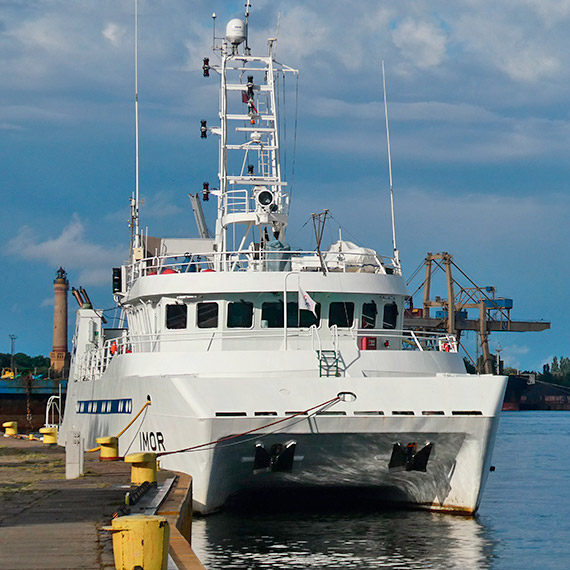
{"x":235,"y":32}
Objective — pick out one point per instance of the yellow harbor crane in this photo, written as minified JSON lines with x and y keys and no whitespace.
{"x":452,"y":315}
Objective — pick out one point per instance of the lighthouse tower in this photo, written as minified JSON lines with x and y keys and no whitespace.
{"x":59,"y":356}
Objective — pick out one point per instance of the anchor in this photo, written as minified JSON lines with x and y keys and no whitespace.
{"x":408,"y":458}
{"x":278,"y":458}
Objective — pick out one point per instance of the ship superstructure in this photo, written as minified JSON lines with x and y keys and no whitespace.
{"x":272,"y":368}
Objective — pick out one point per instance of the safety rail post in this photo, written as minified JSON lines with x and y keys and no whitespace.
{"x":315,"y":333}
{"x":418,"y":344}
{"x":334,"y":335}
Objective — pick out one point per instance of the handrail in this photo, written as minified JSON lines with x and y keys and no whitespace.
{"x":315,"y":334}
{"x":53,"y":406}
{"x":334,"y":336}
{"x":96,"y":360}
{"x":261,"y":260}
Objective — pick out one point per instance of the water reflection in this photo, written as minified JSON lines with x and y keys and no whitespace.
{"x":356,"y":539}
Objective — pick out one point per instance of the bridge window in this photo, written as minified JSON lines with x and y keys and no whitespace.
{"x":341,"y":314}
{"x":240,"y":315}
{"x":369,"y":312}
{"x":207,"y":315}
{"x":272,"y":314}
{"x":176,"y":316}
{"x":390,"y":315}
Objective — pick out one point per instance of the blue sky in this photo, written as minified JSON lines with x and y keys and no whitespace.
{"x":478,"y":95}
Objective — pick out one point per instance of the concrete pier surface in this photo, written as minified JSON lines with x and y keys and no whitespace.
{"x":48,"y":522}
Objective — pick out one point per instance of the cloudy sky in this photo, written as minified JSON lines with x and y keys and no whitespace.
{"x":478,"y":95}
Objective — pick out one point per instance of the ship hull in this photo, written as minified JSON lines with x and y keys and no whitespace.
{"x":349,"y":445}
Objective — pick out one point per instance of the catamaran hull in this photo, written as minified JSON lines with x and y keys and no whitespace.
{"x":367,"y":452}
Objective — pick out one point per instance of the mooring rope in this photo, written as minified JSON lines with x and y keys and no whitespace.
{"x":318,"y":407}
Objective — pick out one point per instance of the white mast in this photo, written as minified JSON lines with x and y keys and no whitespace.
{"x":396,"y":253}
{"x":251,"y":194}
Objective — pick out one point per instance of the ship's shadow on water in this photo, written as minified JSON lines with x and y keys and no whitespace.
{"x":317,"y":500}
{"x":336,"y":530}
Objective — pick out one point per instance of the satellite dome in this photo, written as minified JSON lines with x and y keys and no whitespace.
{"x":235,"y":32}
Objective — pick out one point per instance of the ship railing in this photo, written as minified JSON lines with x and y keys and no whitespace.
{"x":242,"y":201}
{"x":96,"y":360}
{"x":254,"y":258}
{"x":238,"y":202}
{"x":379,"y":339}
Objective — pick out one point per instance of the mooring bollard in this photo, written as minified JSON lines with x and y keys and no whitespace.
{"x":11,"y":428}
{"x":140,"y":541}
{"x":143,"y":467}
{"x":109,"y":448}
{"x":50,"y":435}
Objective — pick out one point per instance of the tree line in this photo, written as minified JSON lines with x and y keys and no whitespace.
{"x":22,"y":362}
{"x":557,"y":371}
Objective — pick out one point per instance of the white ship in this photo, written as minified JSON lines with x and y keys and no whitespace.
{"x":259,"y":367}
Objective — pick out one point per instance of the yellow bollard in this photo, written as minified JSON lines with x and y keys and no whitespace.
{"x":11,"y":428}
{"x":140,"y":541}
{"x":50,"y":435}
{"x":143,"y":467}
{"x":109,"y":448}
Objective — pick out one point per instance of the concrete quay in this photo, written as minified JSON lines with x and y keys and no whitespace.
{"x":48,"y":522}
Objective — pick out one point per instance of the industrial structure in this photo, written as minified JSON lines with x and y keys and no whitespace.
{"x":452,"y":314}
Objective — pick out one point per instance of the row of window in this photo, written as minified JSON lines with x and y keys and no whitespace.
{"x":240,"y":315}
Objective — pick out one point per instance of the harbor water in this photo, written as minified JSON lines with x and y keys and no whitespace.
{"x":522,"y":522}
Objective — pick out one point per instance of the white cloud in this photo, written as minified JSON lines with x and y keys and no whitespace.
{"x":114,"y":33}
{"x":503,"y":39}
{"x":161,"y":204}
{"x":551,"y":12}
{"x":70,"y":250}
{"x":422,"y":43}
{"x":9,"y":127}
{"x":512,"y":355}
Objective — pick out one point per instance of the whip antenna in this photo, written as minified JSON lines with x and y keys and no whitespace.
{"x":135,"y":241}
{"x":396,"y":253}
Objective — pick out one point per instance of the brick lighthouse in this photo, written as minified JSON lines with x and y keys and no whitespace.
{"x":59,"y":356}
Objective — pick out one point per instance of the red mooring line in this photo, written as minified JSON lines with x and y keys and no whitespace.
{"x":195,"y":447}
